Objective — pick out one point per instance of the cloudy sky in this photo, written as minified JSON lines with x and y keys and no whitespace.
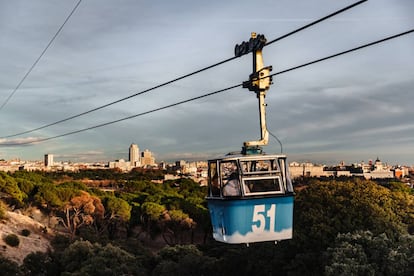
{"x":355,"y":107}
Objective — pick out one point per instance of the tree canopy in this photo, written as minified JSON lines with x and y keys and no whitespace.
{"x":345,"y":227}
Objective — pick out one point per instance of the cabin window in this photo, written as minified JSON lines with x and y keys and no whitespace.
{"x":262,"y":176}
{"x":214,"y":184}
{"x":230,"y":178}
{"x":260,"y":185}
{"x":260,"y":167}
{"x":287,"y":181}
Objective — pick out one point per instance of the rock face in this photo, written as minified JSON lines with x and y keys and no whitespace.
{"x":38,"y":239}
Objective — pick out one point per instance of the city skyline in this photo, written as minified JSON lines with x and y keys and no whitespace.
{"x":133,"y":156}
{"x":354,"y":107}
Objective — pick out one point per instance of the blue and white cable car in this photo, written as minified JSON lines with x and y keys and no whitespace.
{"x":260,"y":209}
{"x":250,"y":196}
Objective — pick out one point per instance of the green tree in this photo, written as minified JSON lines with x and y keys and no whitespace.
{"x":117,"y":214}
{"x":29,"y":183}
{"x":39,"y":263}
{"x":362,"y":253}
{"x":184,"y":260}
{"x":324,"y":209}
{"x":135,"y":186}
{"x":189,"y":188}
{"x":27,"y":187}
{"x":152,"y":218}
{"x":196,"y":208}
{"x":176,"y":225}
{"x":403,"y":204}
{"x":117,"y":208}
{"x":47,"y":197}
{"x":8,"y":186}
{"x":84,"y":258}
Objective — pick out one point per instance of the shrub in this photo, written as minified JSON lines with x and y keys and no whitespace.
{"x":25,"y":232}
{"x":8,"y":267}
{"x":12,"y":240}
{"x":2,"y":210}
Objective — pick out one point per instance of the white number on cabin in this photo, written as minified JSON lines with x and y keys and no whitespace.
{"x":259,"y":218}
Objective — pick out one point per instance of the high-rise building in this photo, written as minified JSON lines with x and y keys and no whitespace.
{"x":48,"y":160}
{"x":147,"y":159}
{"x":134,"y":157}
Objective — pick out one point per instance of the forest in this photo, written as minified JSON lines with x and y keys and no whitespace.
{"x":347,"y":226}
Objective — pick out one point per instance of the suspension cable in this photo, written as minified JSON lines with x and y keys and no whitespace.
{"x":178,"y":78}
{"x":315,"y":22}
{"x":122,"y":119}
{"x":208,"y":94}
{"x":38,"y":59}
{"x":342,"y":53}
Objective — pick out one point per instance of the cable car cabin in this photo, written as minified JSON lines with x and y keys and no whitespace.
{"x":250,"y":198}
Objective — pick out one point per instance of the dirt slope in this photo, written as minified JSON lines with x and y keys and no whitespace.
{"x":38,"y":240}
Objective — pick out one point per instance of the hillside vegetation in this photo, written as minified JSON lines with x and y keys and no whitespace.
{"x":347,"y":227}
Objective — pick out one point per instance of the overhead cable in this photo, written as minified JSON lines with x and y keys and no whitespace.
{"x":344,"y":52}
{"x":38,"y":59}
{"x":118,"y":101}
{"x":179,"y":78}
{"x":315,"y":22}
{"x":206,"y":95}
{"x":122,"y":119}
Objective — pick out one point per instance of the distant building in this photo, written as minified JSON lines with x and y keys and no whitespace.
{"x":147,"y":159}
{"x":343,"y":173}
{"x":372,"y":170}
{"x":399,"y":173}
{"x":6,"y":166}
{"x":378,"y":166}
{"x":136,"y":159}
{"x":134,"y":156}
{"x":379,"y":170}
{"x":379,"y":174}
{"x":162,"y":165}
{"x":48,"y":160}
{"x":306,"y":170}
{"x":190,"y":168}
{"x":120,"y":164}
{"x":180,"y":164}
{"x":366,"y":167}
